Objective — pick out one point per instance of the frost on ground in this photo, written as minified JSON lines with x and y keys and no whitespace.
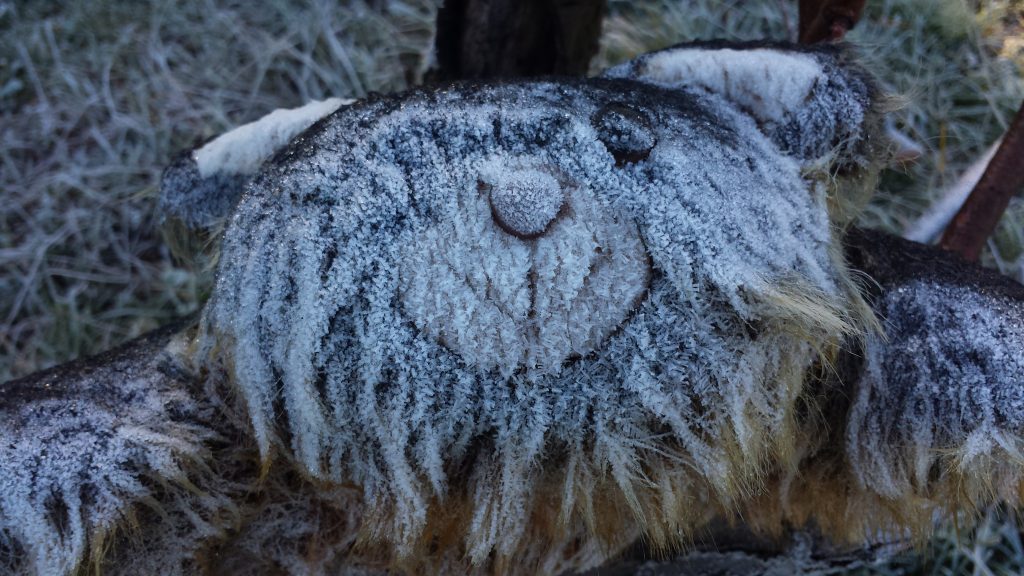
{"x":632,"y":350}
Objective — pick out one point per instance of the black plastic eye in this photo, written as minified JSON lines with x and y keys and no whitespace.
{"x":625,"y":132}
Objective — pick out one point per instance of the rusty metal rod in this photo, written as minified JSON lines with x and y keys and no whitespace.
{"x":978,"y":217}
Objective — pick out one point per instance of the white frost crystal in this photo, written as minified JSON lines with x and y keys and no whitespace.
{"x":763,"y":81}
{"x":201,"y":187}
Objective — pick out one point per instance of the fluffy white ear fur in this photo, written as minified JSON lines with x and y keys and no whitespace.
{"x":767,"y":83}
{"x":810,"y":101}
{"x":244,"y":149}
{"x":201,"y":187}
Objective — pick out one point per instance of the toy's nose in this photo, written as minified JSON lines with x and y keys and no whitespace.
{"x":526,"y":202}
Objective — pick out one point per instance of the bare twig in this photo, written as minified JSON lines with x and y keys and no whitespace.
{"x":980,"y":214}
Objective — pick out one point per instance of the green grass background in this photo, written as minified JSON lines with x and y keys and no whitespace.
{"x":96,"y":97}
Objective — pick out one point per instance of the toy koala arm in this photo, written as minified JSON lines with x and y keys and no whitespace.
{"x":203,"y":184}
{"x":811,"y":101}
{"x":924,"y":421}
{"x":938,"y":409}
{"x":83,"y":443}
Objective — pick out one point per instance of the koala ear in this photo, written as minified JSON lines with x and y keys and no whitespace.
{"x":813,"y":102}
{"x":201,"y":186}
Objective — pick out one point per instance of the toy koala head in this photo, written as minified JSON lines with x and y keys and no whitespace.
{"x":583,"y":306}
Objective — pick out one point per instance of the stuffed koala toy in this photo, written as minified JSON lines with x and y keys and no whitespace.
{"x":516,"y":327}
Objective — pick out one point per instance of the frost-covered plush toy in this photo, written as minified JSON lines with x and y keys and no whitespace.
{"x":516,"y":327}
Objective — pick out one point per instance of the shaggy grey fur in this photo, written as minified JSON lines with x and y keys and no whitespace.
{"x":691,"y":389}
